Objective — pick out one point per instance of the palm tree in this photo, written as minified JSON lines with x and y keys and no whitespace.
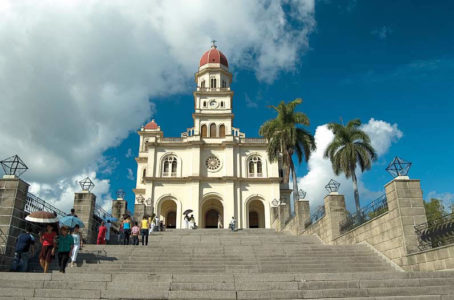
{"x":285,"y":138}
{"x":350,"y":146}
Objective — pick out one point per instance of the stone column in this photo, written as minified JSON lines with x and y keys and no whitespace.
{"x":335,"y":214}
{"x":404,"y":197}
{"x":285,"y":198}
{"x":84,"y":206}
{"x":283,"y":211}
{"x":119,"y":208}
{"x":303,"y":213}
{"x":13,"y":196}
{"x":274,"y":214}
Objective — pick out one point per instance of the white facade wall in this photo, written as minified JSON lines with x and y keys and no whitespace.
{"x":227,"y":189}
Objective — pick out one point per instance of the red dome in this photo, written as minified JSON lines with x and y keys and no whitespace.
{"x":213,"y":56}
{"x":151,"y":125}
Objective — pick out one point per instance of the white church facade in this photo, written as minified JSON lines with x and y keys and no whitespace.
{"x":213,"y":168}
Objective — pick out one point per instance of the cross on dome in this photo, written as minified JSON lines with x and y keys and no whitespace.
{"x":213,"y":44}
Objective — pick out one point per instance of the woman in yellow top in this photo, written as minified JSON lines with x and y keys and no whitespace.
{"x":144,"y":230}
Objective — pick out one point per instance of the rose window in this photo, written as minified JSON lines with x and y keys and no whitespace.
{"x":213,"y":163}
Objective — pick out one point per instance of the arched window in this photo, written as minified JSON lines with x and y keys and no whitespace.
{"x":213,"y":130}
{"x":204,"y":104}
{"x":213,"y":83}
{"x":255,"y":167}
{"x":222,"y":131}
{"x":222,"y":103}
{"x":169,"y":168}
{"x":144,"y":174}
{"x":204,"y":131}
{"x":202,"y":85}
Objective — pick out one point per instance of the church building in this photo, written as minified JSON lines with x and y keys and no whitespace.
{"x":212,"y":168}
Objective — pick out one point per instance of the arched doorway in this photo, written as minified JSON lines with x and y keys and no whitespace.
{"x":168,"y":213}
{"x":256,"y":214}
{"x":212,"y":210}
{"x":171,"y":219}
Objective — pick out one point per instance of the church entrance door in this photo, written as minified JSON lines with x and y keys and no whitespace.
{"x":253,"y":219}
{"x":211,"y":219}
{"x":212,"y":210}
{"x":171,"y":220}
{"x":256,"y":214}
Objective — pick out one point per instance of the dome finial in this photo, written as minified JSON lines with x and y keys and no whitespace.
{"x":213,"y":44}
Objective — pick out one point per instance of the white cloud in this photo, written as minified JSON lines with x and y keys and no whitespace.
{"x":76,"y":76}
{"x":129,"y":153}
{"x":61,"y":194}
{"x":382,"y":32}
{"x":382,"y":134}
{"x":130,"y":175}
{"x":446,"y":198}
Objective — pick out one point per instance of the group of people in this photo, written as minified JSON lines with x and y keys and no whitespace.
{"x":56,"y":241}
{"x":190,"y":222}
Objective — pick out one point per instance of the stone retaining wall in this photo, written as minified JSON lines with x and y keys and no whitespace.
{"x":431,"y":260}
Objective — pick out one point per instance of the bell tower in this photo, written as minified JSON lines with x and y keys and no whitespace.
{"x":213,"y":97}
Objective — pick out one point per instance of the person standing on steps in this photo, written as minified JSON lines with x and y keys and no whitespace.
{"x":108,"y":227}
{"x":232,"y":224}
{"x":77,"y":238}
{"x":25,"y":243}
{"x":48,"y":240}
{"x":135,"y":234}
{"x":186,"y":221}
{"x":126,"y":230}
{"x":220,"y":221}
{"x":144,"y":230}
{"x":65,"y":244}
{"x":101,"y":234}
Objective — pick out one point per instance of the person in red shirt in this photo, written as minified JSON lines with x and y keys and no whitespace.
{"x":48,"y":240}
{"x":102,"y":234}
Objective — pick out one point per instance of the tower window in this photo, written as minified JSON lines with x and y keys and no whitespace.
{"x":213,"y":83}
{"x":203,"y":84}
{"x":255,"y":166}
{"x":222,"y":131}
{"x":204,"y":104}
{"x":169,"y":168}
{"x":222,"y":103}
{"x":204,"y":131}
{"x":213,"y":130}
{"x":224,"y":84}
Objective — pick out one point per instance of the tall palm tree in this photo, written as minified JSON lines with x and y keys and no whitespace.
{"x":349,"y":148}
{"x":286,"y":138}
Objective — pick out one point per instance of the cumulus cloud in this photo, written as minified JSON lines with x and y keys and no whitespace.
{"x":61,"y":193}
{"x":446,"y":198}
{"x":77,"y":76}
{"x":382,"y":135}
{"x":129,"y":153}
{"x":130,"y":175}
{"x":382,"y":32}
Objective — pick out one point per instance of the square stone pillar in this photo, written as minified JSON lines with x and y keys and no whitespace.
{"x":119,"y":208}
{"x":285,"y":198}
{"x":13,"y":196}
{"x":335,"y":214}
{"x":84,"y":206}
{"x":283,"y":212}
{"x":303,"y":213}
{"x":404,"y":197}
{"x":274,"y":214}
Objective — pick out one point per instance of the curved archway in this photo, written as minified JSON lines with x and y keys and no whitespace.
{"x":204,"y":130}
{"x":222,"y":131}
{"x":213,"y":130}
{"x":256,"y":214}
{"x":167,"y":211}
{"x":212,"y":210}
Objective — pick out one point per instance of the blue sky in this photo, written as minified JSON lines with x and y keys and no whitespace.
{"x":390,"y":62}
{"x":85,"y":77}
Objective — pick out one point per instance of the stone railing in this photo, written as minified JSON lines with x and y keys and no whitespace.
{"x":254,"y":140}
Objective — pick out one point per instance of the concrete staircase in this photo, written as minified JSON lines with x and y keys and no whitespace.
{"x":219,"y":264}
